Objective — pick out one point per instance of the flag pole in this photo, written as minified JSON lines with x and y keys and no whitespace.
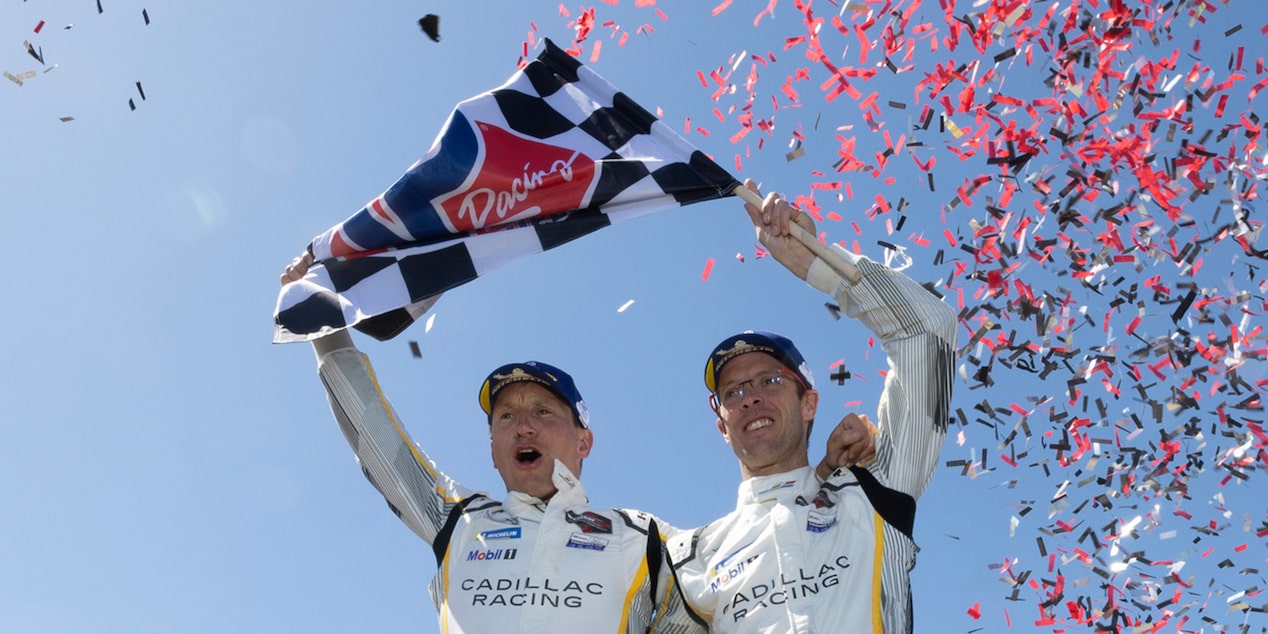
{"x":825,"y":253}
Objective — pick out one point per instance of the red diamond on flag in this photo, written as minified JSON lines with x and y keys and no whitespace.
{"x":517,"y":179}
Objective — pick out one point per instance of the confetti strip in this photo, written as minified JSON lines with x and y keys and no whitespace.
{"x":625,"y":306}
{"x":20,"y":77}
{"x":430,"y":24}
{"x":33,"y":52}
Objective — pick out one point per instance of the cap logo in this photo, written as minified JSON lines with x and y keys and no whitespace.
{"x":740,"y":347}
{"x":517,"y":374}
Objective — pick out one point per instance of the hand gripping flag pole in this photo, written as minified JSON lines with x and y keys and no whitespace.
{"x":825,"y":253}
{"x":553,"y":154}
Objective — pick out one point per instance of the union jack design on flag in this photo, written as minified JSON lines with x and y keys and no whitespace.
{"x":553,"y":154}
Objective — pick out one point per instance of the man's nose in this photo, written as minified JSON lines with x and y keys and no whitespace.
{"x":524,"y":426}
{"x":750,"y":396}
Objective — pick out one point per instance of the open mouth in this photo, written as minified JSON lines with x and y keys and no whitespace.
{"x":527,"y":456}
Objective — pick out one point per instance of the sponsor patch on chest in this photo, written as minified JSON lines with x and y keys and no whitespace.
{"x":586,"y":542}
{"x":589,"y":522}
{"x":492,"y":554}
{"x":500,"y":533}
{"x":817,"y":522}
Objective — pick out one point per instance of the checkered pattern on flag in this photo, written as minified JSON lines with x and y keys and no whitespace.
{"x":553,"y":154}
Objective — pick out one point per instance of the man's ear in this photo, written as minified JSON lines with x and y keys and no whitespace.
{"x":587,"y":443}
{"x":722,"y":430}
{"x":809,"y":405}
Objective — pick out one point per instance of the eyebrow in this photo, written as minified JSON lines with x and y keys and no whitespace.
{"x":533,"y":402}
{"x":760,"y":373}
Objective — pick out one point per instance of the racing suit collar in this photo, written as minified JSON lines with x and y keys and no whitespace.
{"x":779,"y":487}
{"x":568,"y":492}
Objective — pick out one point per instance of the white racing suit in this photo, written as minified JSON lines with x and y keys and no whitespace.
{"x":798,"y":555}
{"x":518,"y":565}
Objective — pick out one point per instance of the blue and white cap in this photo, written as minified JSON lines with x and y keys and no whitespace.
{"x":552,"y":378}
{"x":774,"y":344}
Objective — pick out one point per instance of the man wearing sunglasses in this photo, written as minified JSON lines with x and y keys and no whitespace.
{"x":831,"y":553}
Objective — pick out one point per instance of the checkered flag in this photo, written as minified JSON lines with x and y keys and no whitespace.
{"x":553,"y":154}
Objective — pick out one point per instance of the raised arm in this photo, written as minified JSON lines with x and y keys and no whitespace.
{"x":917,"y":331}
{"x":416,"y":491}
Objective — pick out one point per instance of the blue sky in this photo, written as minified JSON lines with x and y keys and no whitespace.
{"x":167,"y":468}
